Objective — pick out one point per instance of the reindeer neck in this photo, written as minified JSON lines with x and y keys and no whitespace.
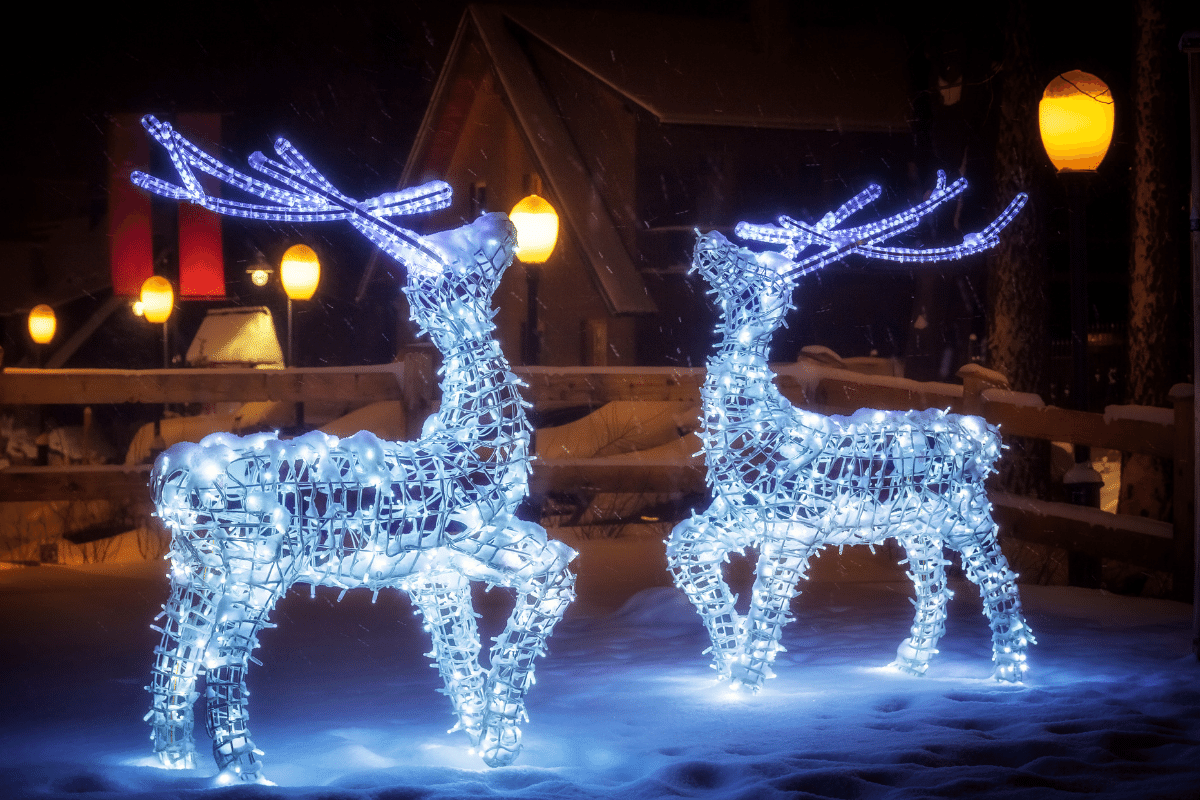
{"x":739,"y":387}
{"x":480,"y":393}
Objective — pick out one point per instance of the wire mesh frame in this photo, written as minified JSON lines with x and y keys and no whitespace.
{"x":252,"y":516}
{"x":790,"y":482}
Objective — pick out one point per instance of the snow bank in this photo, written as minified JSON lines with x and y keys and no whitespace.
{"x":625,"y":706}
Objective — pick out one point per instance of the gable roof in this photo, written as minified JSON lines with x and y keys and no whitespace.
{"x":700,"y":71}
{"x":681,"y":70}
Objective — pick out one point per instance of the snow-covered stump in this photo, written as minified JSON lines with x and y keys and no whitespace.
{"x":252,"y":516}
{"x":789,"y":482}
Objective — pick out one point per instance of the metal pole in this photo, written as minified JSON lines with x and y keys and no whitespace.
{"x":290,"y":361}
{"x":1189,"y":43}
{"x":1077,"y":209}
{"x":1082,"y":481}
{"x":158,"y":444}
{"x":532,"y":344}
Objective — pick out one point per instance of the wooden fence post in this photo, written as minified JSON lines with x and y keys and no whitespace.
{"x":976,"y":379}
{"x":1184,"y":551}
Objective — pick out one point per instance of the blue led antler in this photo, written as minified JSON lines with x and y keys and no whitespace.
{"x":837,"y":243}
{"x":251,"y":517}
{"x":306,"y":197}
{"x":789,"y":482}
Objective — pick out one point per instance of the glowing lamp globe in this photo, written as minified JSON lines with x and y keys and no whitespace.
{"x":1076,"y":117}
{"x":42,"y":324}
{"x":158,"y":299}
{"x":300,"y":272}
{"x":537,"y":229}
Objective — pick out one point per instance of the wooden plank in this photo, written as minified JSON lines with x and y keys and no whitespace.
{"x":98,"y":386}
{"x":75,"y":483}
{"x":557,"y":387}
{"x":1135,"y":540}
{"x":844,"y":396}
{"x":1082,"y":427}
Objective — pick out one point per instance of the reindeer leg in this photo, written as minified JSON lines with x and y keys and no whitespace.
{"x":444,"y":600}
{"x":782,"y":562}
{"x":178,"y":661}
{"x":696,"y":549}
{"x":926,"y":568}
{"x":243,"y":613}
{"x":986,"y":567}
{"x":519,"y":556}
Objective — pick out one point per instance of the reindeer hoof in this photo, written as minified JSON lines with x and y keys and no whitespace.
{"x":500,"y":744}
{"x":232,"y":776}
{"x":909,"y":667}
{"x":1009,"y":670}
{"x":176,"y":759}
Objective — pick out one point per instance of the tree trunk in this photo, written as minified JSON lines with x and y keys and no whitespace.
{"x":1153,"y":273}
{"x":1018,"y":309}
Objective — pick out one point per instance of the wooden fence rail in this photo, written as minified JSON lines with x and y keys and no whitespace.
{"x":1166,"y":433}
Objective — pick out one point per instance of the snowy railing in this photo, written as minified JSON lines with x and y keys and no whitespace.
{"x":1166,"y":433}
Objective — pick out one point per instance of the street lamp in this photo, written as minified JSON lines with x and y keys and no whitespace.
{"x":42,"y":324}
{"x":537,"y":232}
{"x":157,"y":302}
{"x":1076,"y":117}
{"x":300,"y":272}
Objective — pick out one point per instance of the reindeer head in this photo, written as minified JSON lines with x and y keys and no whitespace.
{"x":753,"y":289}
{"x":450,"y":295}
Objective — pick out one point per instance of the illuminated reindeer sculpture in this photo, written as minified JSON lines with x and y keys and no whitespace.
{"x":251,"y":516}
{"x":788,"y":481}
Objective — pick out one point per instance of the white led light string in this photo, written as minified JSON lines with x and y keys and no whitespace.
{"x":252,"y":516}
{"x":788,"y":481}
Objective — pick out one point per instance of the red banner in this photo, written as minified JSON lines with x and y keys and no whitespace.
{"x":131,"y":254}
{"x":201,"y":257}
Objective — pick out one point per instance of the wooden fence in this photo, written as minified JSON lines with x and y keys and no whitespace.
{"x":1150,"y":544}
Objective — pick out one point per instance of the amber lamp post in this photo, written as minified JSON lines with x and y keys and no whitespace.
{"x":42,"y":324}
{"x":537,"y":232}
{"x":157,"y":302}
{"x":300,"y":272}
{"x":1076,"y":116}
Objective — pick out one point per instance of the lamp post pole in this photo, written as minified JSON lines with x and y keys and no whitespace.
{"x":533,"y":347}
{"x":1083,"y":493}
{"x":1076,"y":120}
{"x":299,"y":272}
{"x":536,"y":222}
{"x":157,"y":302}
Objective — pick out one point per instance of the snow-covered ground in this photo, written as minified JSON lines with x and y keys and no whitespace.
{"x":344,"y":704}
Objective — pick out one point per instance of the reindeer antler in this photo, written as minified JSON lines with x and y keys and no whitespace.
{"x":837,"y":243}
{"x":302,"y":195}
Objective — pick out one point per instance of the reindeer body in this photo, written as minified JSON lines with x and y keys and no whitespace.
{"x":789,"y":482}
{"x":252,"y":516}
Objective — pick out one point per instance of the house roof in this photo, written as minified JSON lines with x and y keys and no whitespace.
{"x":702,"y":71}
{"x":683,"y":71}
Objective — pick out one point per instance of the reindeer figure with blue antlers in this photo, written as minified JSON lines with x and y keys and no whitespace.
{"x":252,"y":516}
{"x":789,"y":482}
